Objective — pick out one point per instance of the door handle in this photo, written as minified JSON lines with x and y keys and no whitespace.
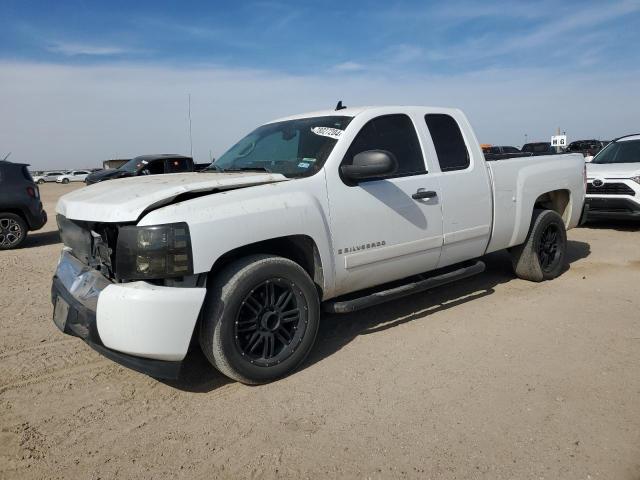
{"x":422,"y":193}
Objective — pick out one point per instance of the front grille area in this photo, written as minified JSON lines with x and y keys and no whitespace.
{"x":91,"y":243}
{"x":610,"y":189}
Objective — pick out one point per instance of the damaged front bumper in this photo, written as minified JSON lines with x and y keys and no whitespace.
{"x":142,"y":326}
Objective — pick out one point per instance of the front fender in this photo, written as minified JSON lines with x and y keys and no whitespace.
{"x":225,"y":221}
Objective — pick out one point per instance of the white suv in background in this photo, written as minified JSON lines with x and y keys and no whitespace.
{"x":47,"y":177}
{"x":73,"y":176}
{"x":613,"y":180}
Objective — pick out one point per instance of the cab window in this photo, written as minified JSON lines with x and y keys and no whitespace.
{"x":395,"y":134}
{"x":448,"y":142}
{"x":154,"y":167}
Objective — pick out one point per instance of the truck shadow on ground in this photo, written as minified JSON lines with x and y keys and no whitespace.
{"x":41,"y":239}
{"x":337,"y":331}
{"x":197,"y":374}
{"x":631,"y":225}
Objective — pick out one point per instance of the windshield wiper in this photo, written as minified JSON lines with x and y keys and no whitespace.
{"x":247,"y":169}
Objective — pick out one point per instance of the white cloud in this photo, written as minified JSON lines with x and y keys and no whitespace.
{"x":57,"y":116}
{"x":570,"y":29}
{"x":348,"y":67}
{"x":469,"y":10}
{"x":73,"y":49}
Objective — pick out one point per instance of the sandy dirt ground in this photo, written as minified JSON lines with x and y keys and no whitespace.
{"x":492,"y":377}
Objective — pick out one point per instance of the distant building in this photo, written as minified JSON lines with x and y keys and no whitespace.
{"x":115,"y":163}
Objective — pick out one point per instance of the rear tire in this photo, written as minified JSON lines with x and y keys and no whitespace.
{"x":40,"y":182}
{"x":543,"y":254}
{"x":13,"y":231}
{"x":260,"y":318}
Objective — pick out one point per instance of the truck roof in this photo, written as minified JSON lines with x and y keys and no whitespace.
{"x":353,"y":111}
{"x":159,"y":155}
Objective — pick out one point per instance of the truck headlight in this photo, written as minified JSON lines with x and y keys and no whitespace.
{"x":154,"y":252}
{"x":636,"y":178}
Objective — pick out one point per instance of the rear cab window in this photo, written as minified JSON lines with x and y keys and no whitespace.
{"x":395,"y":134}
{"x":448,"y":141}
{"x":178,"y":165}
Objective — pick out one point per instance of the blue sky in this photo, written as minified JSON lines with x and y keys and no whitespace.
{"x":301,"y":37}
{"x":489,"y":58}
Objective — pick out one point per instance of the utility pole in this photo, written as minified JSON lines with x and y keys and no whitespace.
{"x":190,"y":137}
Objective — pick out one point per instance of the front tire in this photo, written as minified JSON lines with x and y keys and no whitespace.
{"x":543,"y":255}
{"x":65,"y":180}
{"x":260,"y":319}
{"x":13,"y":231}
{"x":40,"y":182}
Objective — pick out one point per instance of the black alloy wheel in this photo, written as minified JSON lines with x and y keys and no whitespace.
{"x":543,"y":254}
{"x":549,"y":247}
{"x":271,"y":322}
{"x":260,"y":318}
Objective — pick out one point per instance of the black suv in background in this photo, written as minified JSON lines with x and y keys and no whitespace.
{"x":539,"y":148}
{"x":20,"y":206}
{"x":147,"y":165}
{"x":588,"y":148}
{"x":498,"y":152}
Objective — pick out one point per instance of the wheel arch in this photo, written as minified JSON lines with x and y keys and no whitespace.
{"x":301,"y":249}
{"x":16,"y":211}
{"x":557,"y":200}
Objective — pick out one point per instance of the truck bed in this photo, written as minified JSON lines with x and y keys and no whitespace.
{"x":519,"y":183}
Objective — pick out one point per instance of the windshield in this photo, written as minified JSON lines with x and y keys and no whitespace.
{"x":294,"y":148}
{"x":131,"y":165}
{"x":626,"y":151}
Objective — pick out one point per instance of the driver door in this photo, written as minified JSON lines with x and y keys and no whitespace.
{"x":380,"y":231}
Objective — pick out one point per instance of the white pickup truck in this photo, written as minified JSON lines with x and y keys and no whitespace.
{"x":340,"y":209}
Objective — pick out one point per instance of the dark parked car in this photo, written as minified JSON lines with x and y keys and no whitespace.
{"x":498,"y":152}
{"x":147,"y":165}
{"x":20,"y":205}
{"x":588,"y":148}
{"x":539,"y":148}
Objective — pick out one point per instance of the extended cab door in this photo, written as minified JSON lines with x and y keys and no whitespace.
{"x":467,"y":205}
{"x":380,"y":233}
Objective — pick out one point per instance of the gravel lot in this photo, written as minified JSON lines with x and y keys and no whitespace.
{"x":492,"y":377}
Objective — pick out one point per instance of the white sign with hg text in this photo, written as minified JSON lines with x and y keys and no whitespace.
{"x":559,"y":141}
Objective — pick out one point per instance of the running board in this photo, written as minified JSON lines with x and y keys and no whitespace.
{"x":347,"y":306}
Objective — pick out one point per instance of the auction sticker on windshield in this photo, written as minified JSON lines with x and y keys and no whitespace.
{"x":327,"y":132}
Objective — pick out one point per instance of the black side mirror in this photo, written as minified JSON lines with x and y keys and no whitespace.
{"x":369,"y":165}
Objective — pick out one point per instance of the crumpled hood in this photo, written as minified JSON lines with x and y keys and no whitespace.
{"x":124,"y":200}
{"x":613,"y":170}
